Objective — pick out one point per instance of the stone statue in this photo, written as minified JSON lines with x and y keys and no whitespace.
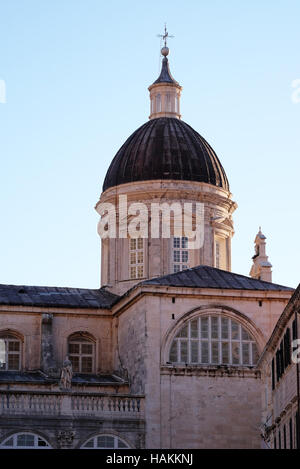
{"x":66,"y":374}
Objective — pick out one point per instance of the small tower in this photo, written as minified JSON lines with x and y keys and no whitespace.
{"x":261,"y":267}
{"x":165,"y":91}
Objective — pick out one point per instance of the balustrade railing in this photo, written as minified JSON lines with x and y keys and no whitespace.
{"x":70,"y":403}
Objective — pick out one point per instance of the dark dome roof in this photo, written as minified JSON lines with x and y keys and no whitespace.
{"x":165,"y":148}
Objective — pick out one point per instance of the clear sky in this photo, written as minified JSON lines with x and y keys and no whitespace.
{"x":76,"y":75}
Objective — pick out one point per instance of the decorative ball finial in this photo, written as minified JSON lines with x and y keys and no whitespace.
{"x":165,"y":51}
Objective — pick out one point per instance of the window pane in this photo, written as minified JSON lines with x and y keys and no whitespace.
{"x":235,"y":330}
{"x":105,"y":442}
{"x":87,"y":349}
{"x":140,"y":271}
{"x":176,"y":242}
{"x":245,"y":335}
{"x":13,"y":361}
{"x":73,"y":348}
{"x":132,"y":272}
{"x":176,"y":268}
{"x":204,"y":328}
{"x":75,"y":363}
{"x":183,"y":351}
{"x":25,"y":440}
{"x":255,"y":354}
{"x":184,"y":256}
{"x":140,"y":257}
{"x":246,"y":354}
{"x":204,"y":352}
{"x":224,"y":326}
{"x":215,"y":352}
{"x":2,"y":354}
{"x":214,"y":327}
{"x":132,"y":244}
{"x":235,"y":347}
{"x":184,"y":242}
{"x":176,"y":256}
{"x":140,"y":243}
{"x":13,"y":346}
{"x":194,"y":328}
{"x":225,"y":353}
{"x":194,"y":351}
{"x":133,"y":258}
{"x":86,"y":364}
{"x":183,"y":332}
{"x":173,"y":352}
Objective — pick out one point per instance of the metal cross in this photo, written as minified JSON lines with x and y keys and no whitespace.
{"x":165,"y":36}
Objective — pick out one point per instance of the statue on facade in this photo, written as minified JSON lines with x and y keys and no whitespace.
{"x":66,"y":374}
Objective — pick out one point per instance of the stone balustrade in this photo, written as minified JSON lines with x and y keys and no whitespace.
{"x":73,"y":404}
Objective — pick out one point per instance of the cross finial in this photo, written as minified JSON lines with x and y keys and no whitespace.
{"x":165,"y":36}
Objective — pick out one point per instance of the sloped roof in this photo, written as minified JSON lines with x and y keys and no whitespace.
{"x":56,"y":296}
{"x":165,"y":74}
{"x":204,"y":276}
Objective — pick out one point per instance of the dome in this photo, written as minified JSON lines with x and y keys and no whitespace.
{"x":165,"y":148}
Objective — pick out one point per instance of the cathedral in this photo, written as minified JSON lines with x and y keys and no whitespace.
{"x":165,"y":353}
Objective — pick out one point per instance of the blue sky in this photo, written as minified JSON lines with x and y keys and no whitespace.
{"x":76,"y":75}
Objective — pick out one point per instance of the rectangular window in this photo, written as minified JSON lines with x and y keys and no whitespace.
{"x":287,"y":347}
{"x":297,"y":431}
{"x":281,"y":358}
{"x":180,"y":254}
{"x":273,"y":374}
{"x":10,"y":354}
{"x":277,"y":366}
{"x":136,"y":258}
{"x":291,"y":433}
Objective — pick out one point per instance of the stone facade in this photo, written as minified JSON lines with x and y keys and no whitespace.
{"x":162,"y":358}
{"x":280,"y":381}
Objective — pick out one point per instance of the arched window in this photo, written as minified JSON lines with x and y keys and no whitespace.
{"x":81,"y":352}
{"x":158,"y":103}
{"x":105,"y":442}
{"x":10,"y":352}
{"x":25,"y":440}
{"x":213,"y":340}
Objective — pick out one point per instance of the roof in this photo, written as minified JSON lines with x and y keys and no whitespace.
{"x":56,"y":297}
{"x":165,"y":74}
{"x":201,"y":276}
{"x":33,"y":377}
{"x":165,"y":148}
{"x":204,"y":276}
{"x":24,"y":377}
